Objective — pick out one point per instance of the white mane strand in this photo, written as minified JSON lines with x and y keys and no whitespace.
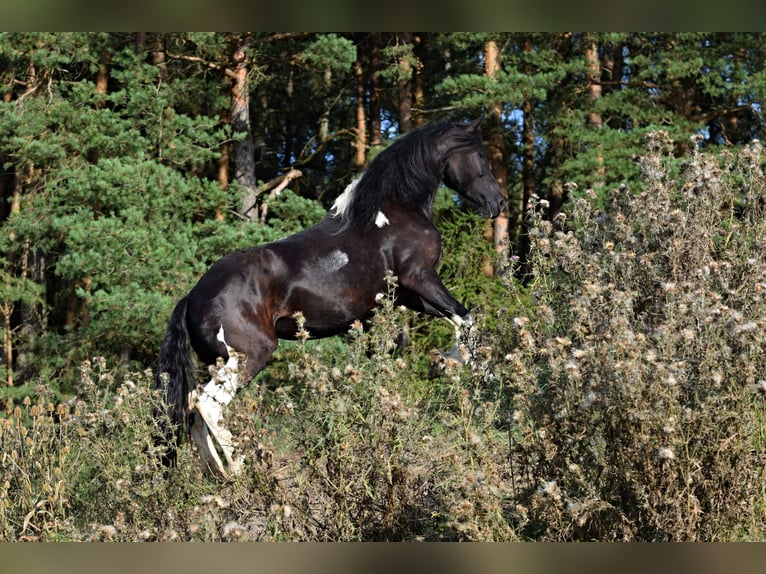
{"x":340,"y":206}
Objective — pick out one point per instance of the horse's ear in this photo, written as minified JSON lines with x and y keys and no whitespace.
{"x":474,"y":125}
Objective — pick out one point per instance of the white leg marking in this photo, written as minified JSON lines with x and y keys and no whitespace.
{"x":205,"y":447}
{"x":458,"y":350}
{"x":209,"y":403}
{"x":459,"y":321}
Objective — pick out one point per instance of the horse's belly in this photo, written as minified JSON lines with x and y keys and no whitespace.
{"x":325,"y":314}
{"x":317,"y":327}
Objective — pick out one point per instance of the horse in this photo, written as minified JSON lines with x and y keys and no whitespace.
{"x":332,"y":274}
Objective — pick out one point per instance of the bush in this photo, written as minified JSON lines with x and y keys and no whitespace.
{"x":382,"y":458}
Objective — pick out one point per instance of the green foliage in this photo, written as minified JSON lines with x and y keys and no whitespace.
{"x":114,"y":198}
{"x":331,"y":51}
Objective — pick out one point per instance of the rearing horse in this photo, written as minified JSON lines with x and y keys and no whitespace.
{"x":331,"y":273}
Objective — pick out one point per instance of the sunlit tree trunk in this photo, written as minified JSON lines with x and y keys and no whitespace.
{"x":594,"y":95}
{"x":159,"y":57}
{"x":223,"y":176}
{"x":102,"y":79}
{"x":244,"y":149}
{"x":360,"y":138}
{"x":497,"y":230}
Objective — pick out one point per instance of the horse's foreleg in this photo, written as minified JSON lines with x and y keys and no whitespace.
{"x":424,"y":299}
{"x":425,"y":292}
{"x":459,"y":351}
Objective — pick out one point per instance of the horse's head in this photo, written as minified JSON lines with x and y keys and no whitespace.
{"x":467,"y":170}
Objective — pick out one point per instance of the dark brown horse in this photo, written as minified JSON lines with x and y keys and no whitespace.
{"x":331,"y":273}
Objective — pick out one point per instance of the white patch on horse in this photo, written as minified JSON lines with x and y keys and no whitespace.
{"x":333,"y":262}
{"x":381,"y":219}
{"x":340,"y":206}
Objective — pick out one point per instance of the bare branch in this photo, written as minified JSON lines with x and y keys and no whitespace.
{"x":196,"y":60}
{"x":275,"y":186}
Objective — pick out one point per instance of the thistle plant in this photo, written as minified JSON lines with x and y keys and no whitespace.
{"x":637,"y":413}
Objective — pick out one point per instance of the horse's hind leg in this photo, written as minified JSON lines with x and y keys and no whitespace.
{"x":208,"y":405}
{"x":205,"y":445}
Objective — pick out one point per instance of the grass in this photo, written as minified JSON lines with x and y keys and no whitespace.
{"x":619,"y":395}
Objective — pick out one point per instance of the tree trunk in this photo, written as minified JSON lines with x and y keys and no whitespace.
{"x":159,"y":57}
{"x":77,"y":313}
{"x":418,"y":92}
{"x":6,"y":310}
{"x":594,"y":118}
{"x":528,"y":182}
{"x":102,"y":79}
{"x":404,"y":85}
{"x":32,"y":319}
{"x":612,"y":73}
{"x":244,"y":149}
{"x":376,"y":137}
{"x":555,"y":193}
{"x":360,"y":139}
{"x":323,"y":129}
{"x":28,"y":259}
{"x":496,"y":231}
{"x":223,"y":177}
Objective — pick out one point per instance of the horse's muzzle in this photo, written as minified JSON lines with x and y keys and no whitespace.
{"x":491,"y":210}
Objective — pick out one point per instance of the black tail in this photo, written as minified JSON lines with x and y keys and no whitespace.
{"x":175,"y":377}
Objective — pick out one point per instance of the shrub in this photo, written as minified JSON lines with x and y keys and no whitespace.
{"x":379,"y":456}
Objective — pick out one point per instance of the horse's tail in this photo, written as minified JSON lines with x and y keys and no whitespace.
{"x":175,"y":379}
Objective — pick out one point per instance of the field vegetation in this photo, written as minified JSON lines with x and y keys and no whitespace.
{"x":617,"y":393}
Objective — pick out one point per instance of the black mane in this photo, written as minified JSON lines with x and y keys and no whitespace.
{"x":407,"y":172}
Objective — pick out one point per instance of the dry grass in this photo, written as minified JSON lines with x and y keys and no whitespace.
{"x":620,"y":397}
